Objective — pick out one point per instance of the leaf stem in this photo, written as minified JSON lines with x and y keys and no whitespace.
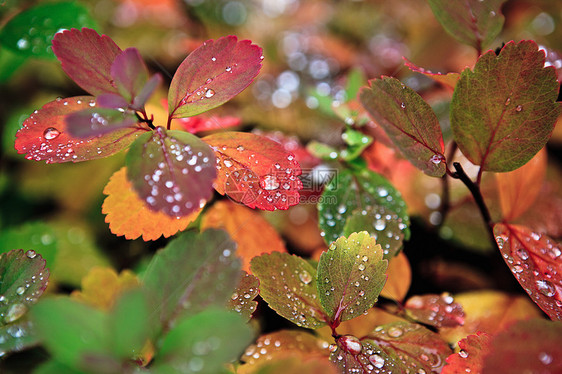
{"x":445,"y":188}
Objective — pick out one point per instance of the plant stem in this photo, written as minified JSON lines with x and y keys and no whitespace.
{"x":445,"y":190}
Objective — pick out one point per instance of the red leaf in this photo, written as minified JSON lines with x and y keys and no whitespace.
{"x":470,"y":359}
{"x":255,"y":171}
{"x":435,"y":310}
{"x":449,"y":80}
{"x":172,"y":171}
{"x":202,"y":123}
{"x":86,"y":57}
{"x":213,"y":74}
{"x":536,"y":262}
{"x":533,"y":346}
{"x":45,"y":136}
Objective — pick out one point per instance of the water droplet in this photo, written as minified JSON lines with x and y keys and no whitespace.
{"x":23,"y":44}
{"x":518,"y":108}
{"x":20,"y":290}
{"x":380,"y":225}
{"x":507,"y":101}
{"x":546,"y":288}
{"x":463,"y":353}
{"x":522,"y":254}
{"x":209,"y":80}
{"x":395,"y":332}
{"x":228,"y":69}
{"x":269,"y":183}
{"x":361,"y":267}
{"x":437,"y":159}
{"x":545,"y":358}
{"x":31,"y":253}
{"x":51,"y":133}
{"x":376,"y":360}
{"x":15,"y":312}
{"x":351,"y":344}
{"x":403,"y":105}
{"x":209,"y":93}
{"x":305,"y":277}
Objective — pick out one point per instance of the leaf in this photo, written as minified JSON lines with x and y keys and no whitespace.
{"x":88,"y":123}
{"x":501,"y":126}
{"x":295,"y":364}
{"x":399,"y":278}
{"x":30,"y":32}
{"x":193,"y":272}
{"x":129,"y":73}
{"x":242,"y":300}
{"x":356,"y":191}
{"x":448,"y":80}
{"x":382,"y":224}
{"x":86,"y":57}
{"x":255,"y":171}
{"x":472,"y":22}
{"x":415,"y":347}
{"x":435,"y":310}
{"x":213,"y":74}
{"x":36,"y":236}
{"x":129,"y":216}
{"x":536,"y":262}
{"x":23,"y":279}
{"x":519,"y":189}
{"x":243,"y":226}
{"x":201,"y":123}
{"x":357,"y":142}
{"x":17,"y":336}
{"x":470,"y":358}
{"x":288,"y":286}
{"x":172,"y":171}
{"x":55,"y":367}
{"x":540,"y":353}
{"x":45,"y":136}
{"x":351,"y":275}
{"x":352,"y":355}
{"x":203,"y":343}
{"x":409,"y":121}
{"x":102,"y":286}
{"x":70,"y":330}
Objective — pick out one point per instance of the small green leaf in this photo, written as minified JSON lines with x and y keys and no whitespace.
{"x":288,"y":285}
{"x":70,"y":330}
{"x":30,"y":32}
{"x":382,"y":224}
{"x":409,"y":121}
{"x":356,"y":141}
{"x":351,"y":275}
{"x":504,"y":111}
{"x":242,"y":300}
{"x":355,"y":80}
{"x":322,"y":150}
{"x":203,"y":343}
{"x":357,"y":190}
{"x":193,"y":272}
{"x":36,"y":236}
{"x":472,"y":22}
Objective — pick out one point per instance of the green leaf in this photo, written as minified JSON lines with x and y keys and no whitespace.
{"x":70,"y":330}
{"x":55,"y":367}
{"x":30,"y":32}
{"x":173,"y":171}
{"x":288,"y":285}
{"x":17,"y":336}
{"x":409,"y":121}
{"x":9,"y":63}
{"x":23,"y":279}
{"x":351,"y":190}
{"x":355,"y":80}
{"x":130,"y":324}
{"x":242,"y":300}
{"x":472,"y":22}
{"x":356,"y":141}
{"x":504,"y":111}
{"x":382,"y":224}
{"x":193,"y":272}
{"x":322,"y":150}
{"x":36,"y":236}
{"x":203,"y":343}
{"x":351,"y":275}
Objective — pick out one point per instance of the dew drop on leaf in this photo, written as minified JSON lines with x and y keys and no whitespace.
{"x":305,"y":277}
{"x":351,"y":344}
{"x":376,"y":360}
{"x":269,"y":183}
{"x":15,"y":312}
{"x":395,"y":332}
{"x":209,"y":93}
{"x":518,"y":108}
{"x":545,"y":358}
{"x":436,"y":159}
{"x":31,"y":253}
{"x":463,"y":353}
{"x":51,"y":133}
{"x":546,"y":288}
{"x":20,"y":290}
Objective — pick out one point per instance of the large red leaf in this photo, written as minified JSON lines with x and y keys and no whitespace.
{"x":255,"y":171}
{"x":86,"y":57}
{"x":536,"y":262}
{"x":213,"y":74}
{"x":470,"y":358}
{"x":45,"y":136}
{"x":173,"y":171}
{"x":503,"y":112}
{"x":409,"y":121}
{"x":202,"y":123}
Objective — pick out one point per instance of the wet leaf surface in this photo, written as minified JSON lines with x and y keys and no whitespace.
{"x":470,"y":358}
{"x":501,"y":126}
{"x":203,"y":122}
{"x":446,"y":79}
{"x":242,"y":224}
{"x":173,"y":171}
{"x":88,"y":123}
{"x":409,"y":121}
{"x":17,"y":336}
{"x":348,"y":192}
{"x":255,"y":171}
{"x":351,"y":275}
{"x":288,"y":285}
{"x":352,"y":355}
{"x":435,"y":310}
{"x":213,"y":74}
{"x":536,"y":263}
{"x":242,"y":300}
{"x":129,"y":216}
{"x":183,"y":278}
{"x":45,"y":135}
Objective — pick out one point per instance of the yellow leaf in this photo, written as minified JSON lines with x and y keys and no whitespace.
{"x":251,"y":232}
{"x":129,"y":216}
{"x":399,"y":278}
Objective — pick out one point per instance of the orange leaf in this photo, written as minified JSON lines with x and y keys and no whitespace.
{"x":519,"y":189}
{"x":471,"y":357}
{"x":128,"y":215}
{"x":448,"y":80}
{"x":101,"y":286}
{"x":399,"y":278}
{"x":253,"y":234}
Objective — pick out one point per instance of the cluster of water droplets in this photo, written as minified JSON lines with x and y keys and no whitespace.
{"x":517,"y":108}
{"x":436,"y":310}
{"x":242,"y":299}
{"x":360,"y":356}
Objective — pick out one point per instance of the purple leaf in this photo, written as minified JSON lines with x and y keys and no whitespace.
{"x":146,"y":92}
{"x":86,"y":57}
{"x":113,"y":101}
{"x":213,"y":74}
{"x":94,"y":122}
{"x":129,"y":73}
{"x":173,"y":171}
